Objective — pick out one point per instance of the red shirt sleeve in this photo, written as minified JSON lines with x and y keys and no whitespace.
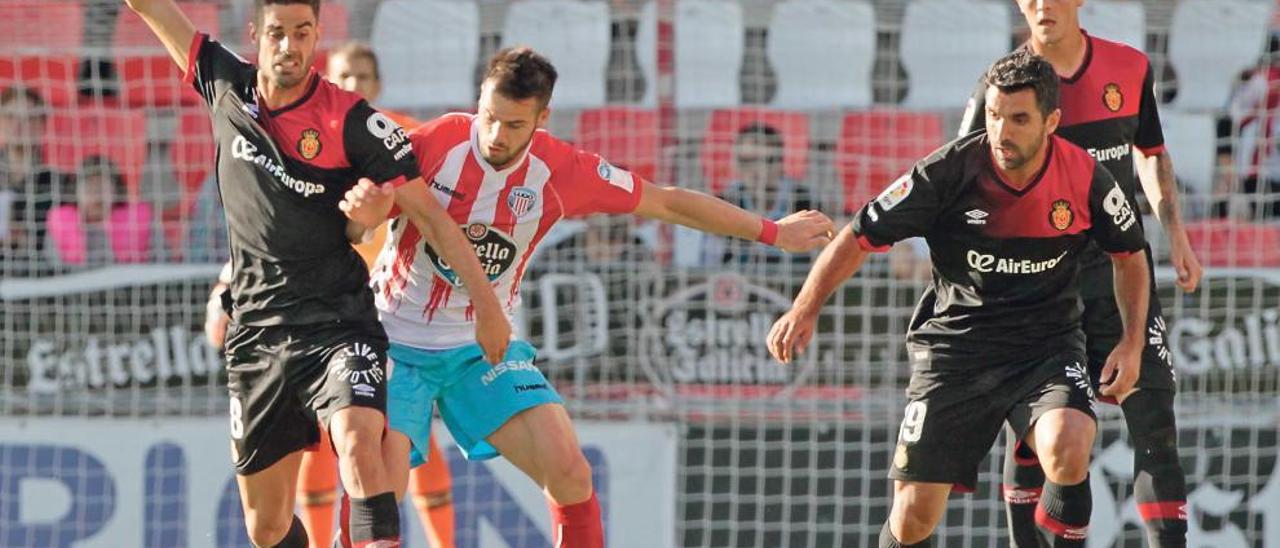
{"x":587,"y":183}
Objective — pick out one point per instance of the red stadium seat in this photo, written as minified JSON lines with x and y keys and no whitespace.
{"x":1222,"y":243}
{"x":40,"y":43}
{"x":722,"y":131}
{"x":77,"y":133}
{"x":147,"y":75}
{"x":626,"y":136}
{"x":191,"y":150}
{"x":878,"y":146}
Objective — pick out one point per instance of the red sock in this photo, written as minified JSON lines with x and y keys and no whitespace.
{"x":577,"y":525}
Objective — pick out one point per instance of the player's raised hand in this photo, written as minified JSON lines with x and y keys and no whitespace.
{"x":368,"y":203}
{"x":1120,"y":374}
{"x":493,"y":332}
{"x":803,"y":231}
{"x":791,"y":334}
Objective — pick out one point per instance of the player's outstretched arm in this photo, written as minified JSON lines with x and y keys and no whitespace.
{"x":1120,"y":373}
{"x":1155,"y":172}
{"x":375,"y":203}
{"x":797,"y":232}
{"x":793,"y":331}
{"x":169,"y":24}
{"x":493,"y":330}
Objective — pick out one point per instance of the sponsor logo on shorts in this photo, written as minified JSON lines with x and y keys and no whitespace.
{"x":503,"y":368}
{"x":364,"y":390}
{"x":531,"y":387}
{"x":1156,"y":339}
{"x":1078,"y":376}
{"x":348,"y":369}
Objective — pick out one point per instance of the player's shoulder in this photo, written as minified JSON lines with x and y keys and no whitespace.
{"x":550,"y":149}
{"x":333,"y":97}
{"x":1117,"y":55}
{"x":1072,"y":155}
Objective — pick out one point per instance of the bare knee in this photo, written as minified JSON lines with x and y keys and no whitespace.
{"x":357,"y":436}
{"x":266,"y":529}
{"x":1065,"y":447}
{"x":568,"y":477}
{"x":917,"y":508}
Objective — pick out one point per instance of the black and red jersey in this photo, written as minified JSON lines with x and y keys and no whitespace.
{"x":1108,"y":108}
{"x":281,"y":174}
{"x":1004,"y":259}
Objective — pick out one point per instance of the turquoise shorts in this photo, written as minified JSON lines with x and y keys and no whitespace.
{"x":473,"y":397}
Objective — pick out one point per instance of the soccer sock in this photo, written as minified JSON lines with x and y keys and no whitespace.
{"x":887,"y":540}
{"x":375,"y":518}
{"x":1023,"y":481}
{"x":317,"y":486}
{"x":577,"y":525}
{"x":296,"y":537}
{"x":1159,"y":485}
{"x":1063,"y":513}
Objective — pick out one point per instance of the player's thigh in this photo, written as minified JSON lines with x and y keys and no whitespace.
{"x":1102,"y":327}
{"x":919,"y":504}
{"x":1054,"y":413}
{"x":344,"y":375}
{"x":268,"y":495}
{"x":538,"y":440}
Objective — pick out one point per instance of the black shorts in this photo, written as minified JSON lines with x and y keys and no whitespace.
{"x":953,"y":415}
{"x":283,"y":378}
{"x":1102,"y":330}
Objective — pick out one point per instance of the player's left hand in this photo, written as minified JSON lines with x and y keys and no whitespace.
{"x":1185,"y":262}
{"x":803,"y":231}
{"x":368,"y":203}
{"x":1120,"y":374}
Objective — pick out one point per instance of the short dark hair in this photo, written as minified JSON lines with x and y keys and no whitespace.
{"x":11,"y":94}
{"x":102,"y":166}
{"x":519,"y":73}
{"x":763,"y":131}
{"x":258,"y":5}
{"x":359,"y":50}
{"x":1021,"y":70}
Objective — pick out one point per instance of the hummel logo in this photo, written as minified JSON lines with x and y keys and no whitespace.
{"x":976,"y":216}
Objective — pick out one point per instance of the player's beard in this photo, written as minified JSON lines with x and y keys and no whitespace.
{"x":508,"y":155}
{"x":1021,"y":156}
{"x":285,"y":80}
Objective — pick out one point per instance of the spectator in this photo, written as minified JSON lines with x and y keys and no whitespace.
{"x":28,"y":187}
{"x":104,"y":225}
{"x":761,"y":187}
{"x":1255,"y":113}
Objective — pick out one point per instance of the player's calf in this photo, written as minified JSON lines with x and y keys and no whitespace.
{"x":917,"y":509}
{"x":1159,"y":486}
{"x":373,"y":514}
{"x":1063,"y":440}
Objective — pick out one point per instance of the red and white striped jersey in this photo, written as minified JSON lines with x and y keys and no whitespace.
{"x":503,"y":213}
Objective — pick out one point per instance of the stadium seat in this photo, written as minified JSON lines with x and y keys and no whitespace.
{"x":710,"y":38}
{"x":876,"y":147}
{"x":1210,"y":43}
{"x":799,"y":29}
{"x":1191,"y":140}
{"x":41,"y":44}
{"x":946,"y":45}
{"x":722,"y":131}
{"x":574,"y":35}
{"x":80,"y":132}
{"x":1223,"y":243}
{"x":625,"y":136}
{"x":147,"y":75}
{"x":192,"y":149}
{"x":1116,"y":20}
{"x":427,"y":52}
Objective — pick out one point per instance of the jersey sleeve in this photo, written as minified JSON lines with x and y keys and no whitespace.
{"x":1149,"y":137}
{"x":212,"y":69}
{"x":905,"y":209}
{"x":592,"y":185}
{"x":377,"y":147}
{"x":1114,"y":216}
{"x":974,"y":117}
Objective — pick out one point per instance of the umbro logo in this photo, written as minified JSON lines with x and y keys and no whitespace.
{"x":976,"y":216}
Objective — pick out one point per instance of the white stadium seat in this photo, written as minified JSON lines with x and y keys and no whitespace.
{"x":805,"y":36}
{"x":1116,"y":20}
{"x":1210,"y":43}
{"x":947,"y":45}
{"x":427,"y":52}
{"x":709,"y":37}
{"x":574,"y":35}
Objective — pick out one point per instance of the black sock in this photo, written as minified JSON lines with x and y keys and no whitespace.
{"x":1159,"y":485}
{"x":296,"y":537}
{"x":887,"y":540}
{"x":1022,"y":484}
{"x":1063,"y":513}
{"x":375,"y":518}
